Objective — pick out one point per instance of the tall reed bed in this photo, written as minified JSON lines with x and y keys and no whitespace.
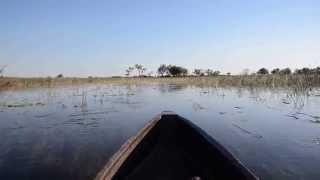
{"x":297,"y":82}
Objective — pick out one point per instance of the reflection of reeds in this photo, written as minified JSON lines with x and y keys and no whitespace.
{"x":84,"y":103}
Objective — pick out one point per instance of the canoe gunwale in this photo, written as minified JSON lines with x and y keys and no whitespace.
{"x":115,"y":162}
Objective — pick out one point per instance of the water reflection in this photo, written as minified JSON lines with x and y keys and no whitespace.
{"x":71,"y":132}
{"x":167,"y":88}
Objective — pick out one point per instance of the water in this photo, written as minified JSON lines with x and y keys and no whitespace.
{"x":71,"y":132}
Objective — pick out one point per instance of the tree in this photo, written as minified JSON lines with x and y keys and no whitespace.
{"x":143,"y":70}
{"x":285,"y":71}
{"x":263,"y":71}
{"x":304,"y":71}
{"x":316,"y":70}
{"x":216,"y":73}
{"x":184,"y":71}
{"x":163,"y":69}
{"x":2,"y":70}
{"x":139,"y":68}
{"x":209,"y":72}
{"x":129,"y":71}
{"x":174,"y":70}
{"x":228,"y":73}
{"x":298,"y":71}
{"x":60,"y":76}
{"x":177,"y":70}
{"x":275,"y":71}
{"x":197,"y":72}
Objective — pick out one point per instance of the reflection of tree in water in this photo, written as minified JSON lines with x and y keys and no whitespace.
{"x":240,"y":92}
{"x":129,"y":88}
{"x":256,"y":94}
{"x":166,"y":88}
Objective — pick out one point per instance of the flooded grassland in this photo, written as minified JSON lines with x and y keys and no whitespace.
{"x":70,"y":132}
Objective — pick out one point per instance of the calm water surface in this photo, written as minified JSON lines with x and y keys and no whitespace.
{"x":71,"y":132}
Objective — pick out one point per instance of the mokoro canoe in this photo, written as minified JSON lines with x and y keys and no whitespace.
{"x":171,"y":147}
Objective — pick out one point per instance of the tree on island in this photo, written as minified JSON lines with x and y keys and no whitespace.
{"x":263,"y":71}
{"x":285,"y":71}
{"x":129,"y":71}
{"x":2,"y":70}
{"x":216,"y":73}
{"x":316,"y":70}
{"x":143,"y":70}
{"x":140,"y":69}
{"x":163,"y":69}
{"x":60,"y":76}
{"x":177,"y":70}
{"x":275,"y":71}
{"x":308,"y":71}
{"x":304,"y":71}
{"x":198,"y":72}
{"x":209,"y":72}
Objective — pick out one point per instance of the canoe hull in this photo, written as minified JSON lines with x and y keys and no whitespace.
{"x":171,"y":147}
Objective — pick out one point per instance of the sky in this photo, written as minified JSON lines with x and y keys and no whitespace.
{"x":103,"y":37}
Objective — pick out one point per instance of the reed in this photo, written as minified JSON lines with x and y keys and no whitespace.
{"x":297,"y":82}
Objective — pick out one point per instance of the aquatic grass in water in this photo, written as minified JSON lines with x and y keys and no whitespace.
{"x":252,"y":122}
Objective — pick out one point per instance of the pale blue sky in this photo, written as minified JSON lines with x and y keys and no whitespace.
{"x":102,"y":38}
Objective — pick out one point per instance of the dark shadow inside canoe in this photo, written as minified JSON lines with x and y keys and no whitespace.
{"x":177,"y":149}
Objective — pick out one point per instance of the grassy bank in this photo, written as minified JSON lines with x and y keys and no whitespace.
{"x":272,"y":81}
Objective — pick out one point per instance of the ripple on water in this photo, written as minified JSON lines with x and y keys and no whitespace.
{"x":92,"y":113}
{"x":84,"y":120}
{"x":255,"y":135}
{"x":316,"y":141}
{"x":43,"y":115}
{"x":222,"y":113}
{"x":298,"y":115}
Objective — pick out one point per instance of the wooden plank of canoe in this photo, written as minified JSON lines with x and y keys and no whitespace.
{"x":123,"y":153}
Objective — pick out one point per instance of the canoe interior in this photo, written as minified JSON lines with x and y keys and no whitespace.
{"x":177,"y":149}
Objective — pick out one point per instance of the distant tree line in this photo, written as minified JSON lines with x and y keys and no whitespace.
{"x":173,"y":70}
{"x":176,"y":71}
{"x":288,"y":71}
{"x":207,"y":72}
{"x":308,"y":71}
